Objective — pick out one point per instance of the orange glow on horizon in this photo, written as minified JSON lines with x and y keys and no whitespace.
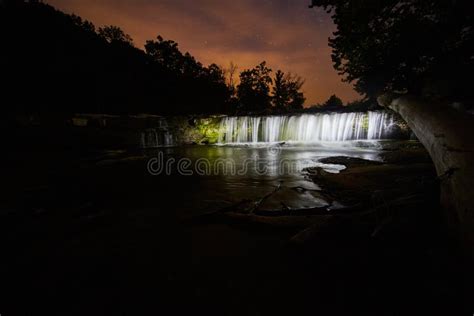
{"x":292,"y":37}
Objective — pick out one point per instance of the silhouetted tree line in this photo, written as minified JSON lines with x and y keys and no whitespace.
{"x":335,"y":104}
{"x":259,"y":92}
{"x":57,"y":64}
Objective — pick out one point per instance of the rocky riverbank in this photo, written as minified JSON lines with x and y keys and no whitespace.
{"x":387,"y":234}
{"x":366,"y":193}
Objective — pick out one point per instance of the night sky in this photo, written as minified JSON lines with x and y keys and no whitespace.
{"x":285,"y":33}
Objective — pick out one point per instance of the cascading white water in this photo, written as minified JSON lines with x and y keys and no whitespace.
{"x":378,"y":123}
{"x":159,"y":136}
{"x":305,"y":127}
{"x":153,"y":138}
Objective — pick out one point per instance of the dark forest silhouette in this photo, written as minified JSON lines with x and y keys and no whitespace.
{"x":59,"y":64}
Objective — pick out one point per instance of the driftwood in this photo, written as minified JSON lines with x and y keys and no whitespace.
{"x":264,"y":198}
{"x":372,"y":220}
{"x":309,"y":224}
{"x":372,"y":213}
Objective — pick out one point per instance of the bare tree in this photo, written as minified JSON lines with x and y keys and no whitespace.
{"x":230,"y":74}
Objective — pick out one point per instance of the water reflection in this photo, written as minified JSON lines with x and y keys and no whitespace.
{"x":257,"y":170}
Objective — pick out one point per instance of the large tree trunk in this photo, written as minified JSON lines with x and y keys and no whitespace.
{"x":447,"y":134}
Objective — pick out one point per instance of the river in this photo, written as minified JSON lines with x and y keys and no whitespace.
{"x":214,"y":177}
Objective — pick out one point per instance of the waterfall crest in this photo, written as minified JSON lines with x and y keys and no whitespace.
{"x":305,"y":127}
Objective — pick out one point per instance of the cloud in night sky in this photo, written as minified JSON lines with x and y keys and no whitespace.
{"x":285,"y":33}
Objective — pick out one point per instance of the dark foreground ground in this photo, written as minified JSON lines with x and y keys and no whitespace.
{"x":81,"y":237}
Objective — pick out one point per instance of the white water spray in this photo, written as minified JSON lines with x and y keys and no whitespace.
{"x":305,"y":128}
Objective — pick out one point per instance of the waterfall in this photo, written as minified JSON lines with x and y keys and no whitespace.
{"x":152,"y":138}
{"x":158,"y":136}
{"x":305,"y":127}
{"x":378,"y":123}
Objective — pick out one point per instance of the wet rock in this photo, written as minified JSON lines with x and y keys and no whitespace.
{"x":349,"y":161}
{"x":407,"y":156}
{"x":364,"y":178}
{"x":288,"y":198}
{"x":396,"y":132}
{"x":400,"y":145}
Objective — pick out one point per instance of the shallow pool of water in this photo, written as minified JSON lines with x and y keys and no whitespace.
{"x":214,"y":177}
